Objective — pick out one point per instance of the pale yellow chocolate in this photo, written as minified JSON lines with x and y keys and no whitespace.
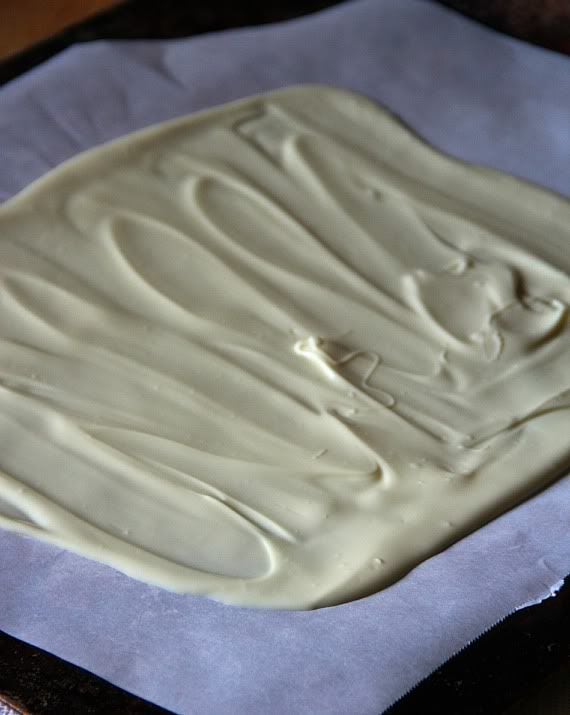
{"x":278,"y":353}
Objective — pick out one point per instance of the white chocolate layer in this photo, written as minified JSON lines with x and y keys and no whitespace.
{"x":278,"y":353}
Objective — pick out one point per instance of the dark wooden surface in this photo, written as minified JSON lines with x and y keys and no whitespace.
{"x":510,"y":665}
{"x":26,"y":22}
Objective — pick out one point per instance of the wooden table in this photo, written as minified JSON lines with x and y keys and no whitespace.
{"x":25,"y":22}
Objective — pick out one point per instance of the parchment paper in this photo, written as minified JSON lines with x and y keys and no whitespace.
{"x":471,"y":92}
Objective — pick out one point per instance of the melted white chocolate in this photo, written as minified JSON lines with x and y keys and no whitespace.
{"x":278,"y":353}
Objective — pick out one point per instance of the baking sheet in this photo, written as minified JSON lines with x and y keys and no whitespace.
{"x":476,"y":94}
